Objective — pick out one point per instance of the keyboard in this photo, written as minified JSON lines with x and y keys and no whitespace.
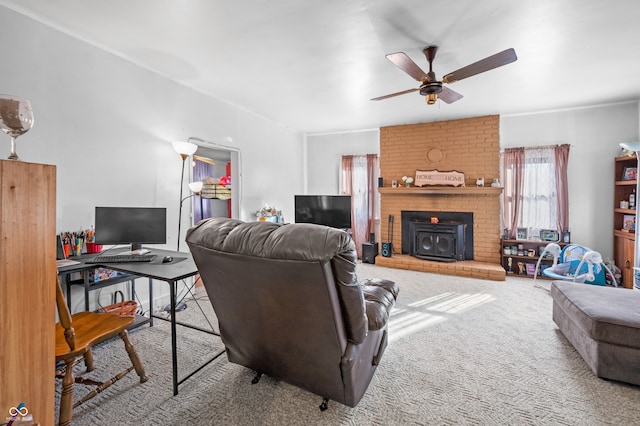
{"x":121,"y":258}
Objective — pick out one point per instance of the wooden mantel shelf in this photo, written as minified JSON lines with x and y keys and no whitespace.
{"x":441,"y":190}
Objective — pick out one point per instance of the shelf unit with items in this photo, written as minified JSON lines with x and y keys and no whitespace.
{"x":94,"y":278}
{"x":624,"y":216}
{"x":519,"y":257}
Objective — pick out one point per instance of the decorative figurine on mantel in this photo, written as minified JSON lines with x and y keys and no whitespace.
{"x":408,"y":180}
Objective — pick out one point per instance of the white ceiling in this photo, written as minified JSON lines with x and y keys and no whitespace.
{"x":314,"y":65}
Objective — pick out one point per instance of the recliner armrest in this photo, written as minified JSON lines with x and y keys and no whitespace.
{"x":349,"y":355}
{"x":380,"y":296}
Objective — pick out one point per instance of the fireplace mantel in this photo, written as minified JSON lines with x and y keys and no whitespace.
{"x":442,"y":190}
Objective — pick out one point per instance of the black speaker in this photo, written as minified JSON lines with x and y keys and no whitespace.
{"x":387,"y":249}
{"x":380,"y":182}
{"x":369,"y":252}
{"x":372,"y":237}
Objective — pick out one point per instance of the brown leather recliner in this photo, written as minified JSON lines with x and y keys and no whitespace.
{"x":290,"y":305}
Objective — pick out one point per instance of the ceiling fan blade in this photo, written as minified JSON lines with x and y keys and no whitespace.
{"x":394,"y":94}
{"x":494,"y":61}
{"x":402,"y":61}
{"x":449,"y":96}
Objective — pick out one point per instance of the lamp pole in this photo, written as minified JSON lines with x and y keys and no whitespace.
{"x":184,"y":157}
{"x":185,"y":149}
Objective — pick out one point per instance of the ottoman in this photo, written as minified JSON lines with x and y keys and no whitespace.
{"x":603,"y":324}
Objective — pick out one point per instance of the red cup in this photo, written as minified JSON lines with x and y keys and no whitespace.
{"x":94,"y":248}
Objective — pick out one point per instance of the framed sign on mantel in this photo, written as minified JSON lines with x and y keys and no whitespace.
{"x":436,"y":177}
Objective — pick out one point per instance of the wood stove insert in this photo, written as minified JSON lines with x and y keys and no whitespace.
{"x":442,"y":242}
{"x":457,"y":235}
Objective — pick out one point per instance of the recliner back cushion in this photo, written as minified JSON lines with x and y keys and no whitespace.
{"x":304,"y":242}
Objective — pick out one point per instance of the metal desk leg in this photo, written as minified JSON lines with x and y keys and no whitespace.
{"x":86,"y":290}
{"x":173,"y":290}
{"x":150,"y":302}
{"x":174,"y":343}
{"x":66,"y":281}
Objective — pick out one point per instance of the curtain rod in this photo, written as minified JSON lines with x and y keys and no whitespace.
{"x":538,"y":146}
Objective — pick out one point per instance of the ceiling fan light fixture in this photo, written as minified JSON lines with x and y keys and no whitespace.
{"x":431,"y":98}
{"x":432,"y":87}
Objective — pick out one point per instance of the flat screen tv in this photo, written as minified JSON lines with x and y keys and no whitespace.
{"x":131,"y":225}
{"x":328,"y":210}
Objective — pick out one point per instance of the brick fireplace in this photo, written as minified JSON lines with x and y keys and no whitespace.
{"x":470,"y":146}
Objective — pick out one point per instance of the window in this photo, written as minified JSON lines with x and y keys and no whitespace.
{"x":359,"y":179}
{"x":535,"y":188}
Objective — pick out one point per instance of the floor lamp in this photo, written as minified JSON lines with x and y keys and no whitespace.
{"x":196,"y":188}
{"x":185,"y":149}
{"x":635,"y":147}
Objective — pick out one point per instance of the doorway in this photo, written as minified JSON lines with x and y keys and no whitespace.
{"x":216,"y":164}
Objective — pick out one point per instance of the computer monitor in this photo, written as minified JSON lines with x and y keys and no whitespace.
{"x":131,"y":225}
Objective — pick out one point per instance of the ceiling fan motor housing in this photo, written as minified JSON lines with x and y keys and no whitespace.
{"x":432,"y":87}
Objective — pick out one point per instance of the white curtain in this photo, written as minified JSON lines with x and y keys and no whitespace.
{"x":540,"y":196}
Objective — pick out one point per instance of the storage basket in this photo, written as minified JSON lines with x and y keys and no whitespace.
{"x":127,"y":308}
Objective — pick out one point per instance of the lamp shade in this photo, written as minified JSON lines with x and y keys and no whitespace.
{"x":184,"y":148}
{"x":195,"y":187}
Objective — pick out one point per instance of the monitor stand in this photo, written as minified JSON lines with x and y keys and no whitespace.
{"x":140,"y":251}
{"x":136,"y":250}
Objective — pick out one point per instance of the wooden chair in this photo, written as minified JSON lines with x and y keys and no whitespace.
{"x":75,"y":336}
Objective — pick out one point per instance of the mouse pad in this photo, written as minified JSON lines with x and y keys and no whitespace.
{"x":158,"y":260}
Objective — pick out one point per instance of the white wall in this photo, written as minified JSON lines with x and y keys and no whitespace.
{"x":324,"y":157}
{"x":594,"y":134}
{"x":107,"y":123}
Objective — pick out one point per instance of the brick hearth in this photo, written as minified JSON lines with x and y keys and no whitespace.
{"x":467,"y":268}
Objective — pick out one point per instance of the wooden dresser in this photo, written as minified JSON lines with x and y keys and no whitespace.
{"x":27,"y":288}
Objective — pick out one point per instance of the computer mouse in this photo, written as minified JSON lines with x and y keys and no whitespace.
{"x":167,"y":259}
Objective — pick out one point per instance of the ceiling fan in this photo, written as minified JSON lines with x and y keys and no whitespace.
{"x":434,"y":89}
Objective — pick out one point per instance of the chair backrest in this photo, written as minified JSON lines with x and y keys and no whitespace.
{"x":286,"y":296}
{"x":65,"y":317}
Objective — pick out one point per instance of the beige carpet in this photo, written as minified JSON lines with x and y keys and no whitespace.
{"x":462,"y":351}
